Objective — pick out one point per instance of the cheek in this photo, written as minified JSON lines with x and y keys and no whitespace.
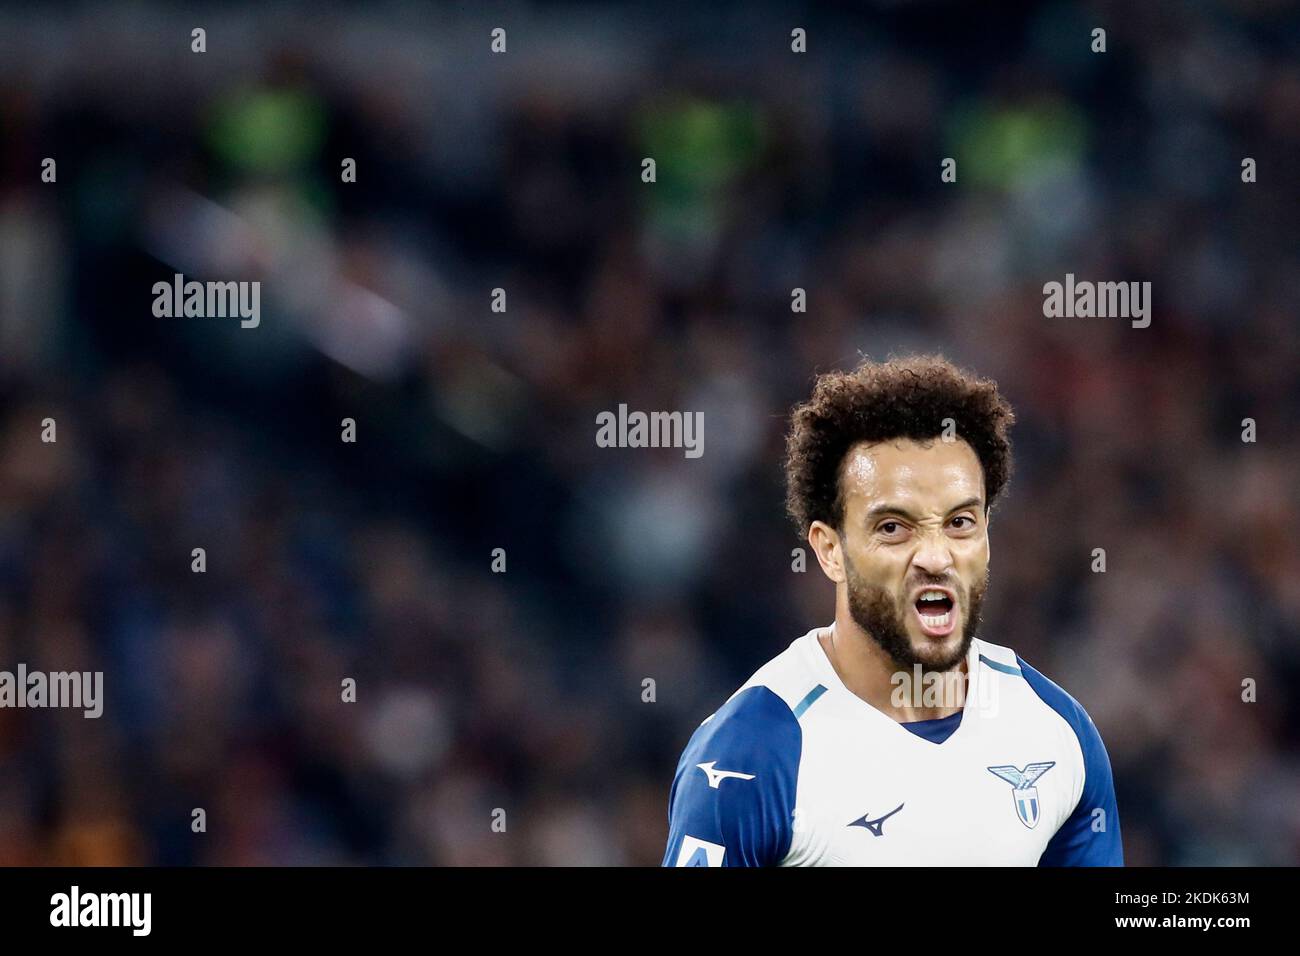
{"x":880,"y":565}
{"x":974,"y":560}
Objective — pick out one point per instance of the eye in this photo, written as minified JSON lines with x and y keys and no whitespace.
{"x":970,"y":522}
{"x":889,"y":527}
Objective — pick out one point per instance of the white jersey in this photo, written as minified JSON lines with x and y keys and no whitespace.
{"x":797,"y":770}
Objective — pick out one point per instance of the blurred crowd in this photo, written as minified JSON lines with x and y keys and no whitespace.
{"x":503,"y":715}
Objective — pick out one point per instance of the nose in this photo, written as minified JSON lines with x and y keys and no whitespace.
{"x":933,"y":555}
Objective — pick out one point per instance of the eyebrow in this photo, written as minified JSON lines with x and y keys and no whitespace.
{"x":887,"y":508}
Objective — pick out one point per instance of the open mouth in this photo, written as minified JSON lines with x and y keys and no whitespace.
{"x":936,"y":610}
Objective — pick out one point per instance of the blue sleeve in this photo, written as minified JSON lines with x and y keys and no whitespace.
{"x":1086,"y":838}
{"x":732,"y":799}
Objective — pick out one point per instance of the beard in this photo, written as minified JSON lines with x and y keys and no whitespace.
{"x":876,"y":610}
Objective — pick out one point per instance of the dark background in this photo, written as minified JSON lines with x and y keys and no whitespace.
{"x":476,"y":430}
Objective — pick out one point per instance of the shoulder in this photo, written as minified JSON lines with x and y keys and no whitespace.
{"x":1090,"y":836}
{"x":769,"y":699}
{"x":755,"y":721}
{"x":1099,"y":782}
{"x":756,"y":726}
{"x":1052,"y":699}
{"x":732,"y":798}
{"x":1004,"y":660}
{"x":1058,"y":699}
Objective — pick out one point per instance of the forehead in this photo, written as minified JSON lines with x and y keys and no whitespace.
{"x":937,"y":474}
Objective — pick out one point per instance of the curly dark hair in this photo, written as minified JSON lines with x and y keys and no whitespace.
{"x":879,"y":401}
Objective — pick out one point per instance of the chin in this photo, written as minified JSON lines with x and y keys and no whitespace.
{"x":932,"y":651}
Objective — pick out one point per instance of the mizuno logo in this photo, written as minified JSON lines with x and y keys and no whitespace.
{"x":876,"y":826}
{"x":717,"y":776}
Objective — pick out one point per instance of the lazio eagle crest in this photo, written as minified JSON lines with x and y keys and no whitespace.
{"x":1023,"y":792}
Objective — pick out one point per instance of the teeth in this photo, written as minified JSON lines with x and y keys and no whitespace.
{"x":932,"y":595}
{"x":937,"y":620}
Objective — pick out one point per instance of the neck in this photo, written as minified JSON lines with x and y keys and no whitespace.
{"x":868,"y":672}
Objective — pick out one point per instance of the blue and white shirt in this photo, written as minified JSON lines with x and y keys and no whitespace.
{"x":797,"y":770}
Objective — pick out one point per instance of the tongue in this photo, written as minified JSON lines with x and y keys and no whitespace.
{"x":934,"y":608}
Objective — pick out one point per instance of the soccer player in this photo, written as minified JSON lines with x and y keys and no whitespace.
{"x":894,"y":736}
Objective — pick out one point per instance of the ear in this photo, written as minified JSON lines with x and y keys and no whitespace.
{"x":988,"y":527}
{"x":826,"y":544}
